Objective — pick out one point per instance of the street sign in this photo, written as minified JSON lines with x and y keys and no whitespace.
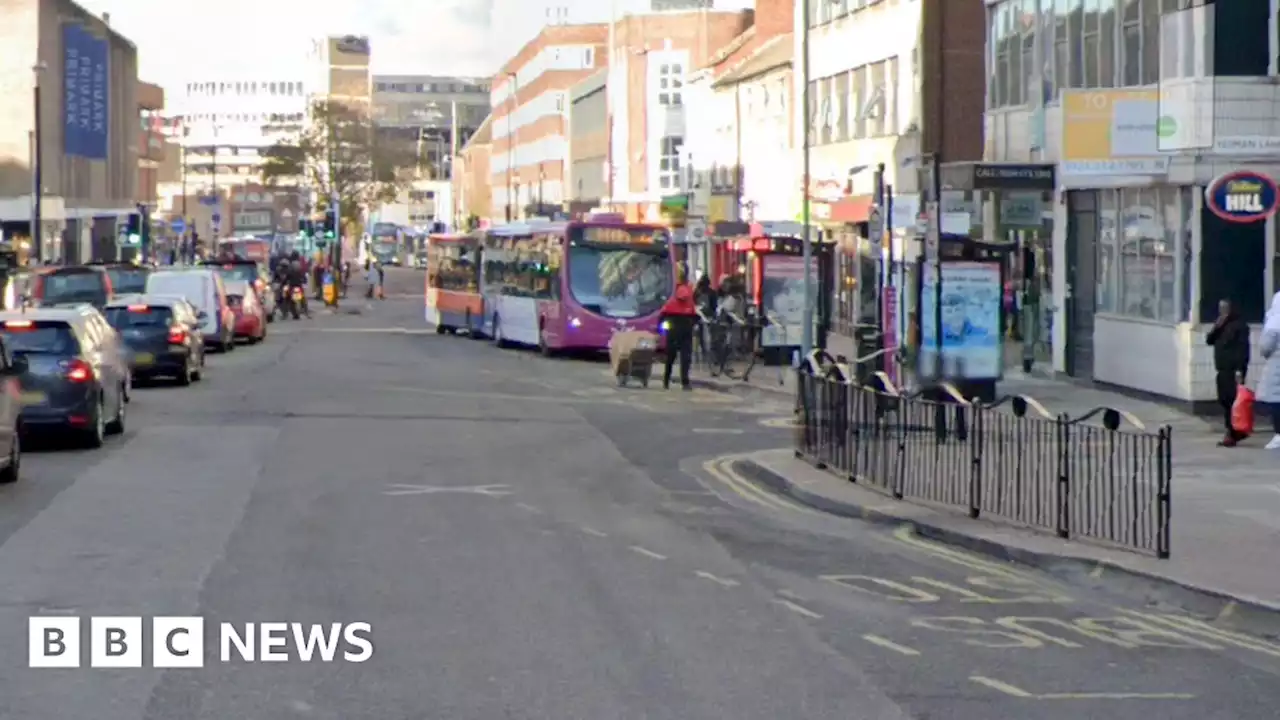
{"x":697,"y":230}
{"x":178,"y":225}
{"x":933,"y":235}
{"x":875,"y":225}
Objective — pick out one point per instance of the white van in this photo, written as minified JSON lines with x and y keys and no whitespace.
{"x":203,"y":289}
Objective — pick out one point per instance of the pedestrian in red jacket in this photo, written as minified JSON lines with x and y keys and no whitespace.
{"x":679,"y":314}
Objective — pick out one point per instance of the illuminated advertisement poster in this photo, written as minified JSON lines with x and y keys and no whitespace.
{"x":971,"y":297}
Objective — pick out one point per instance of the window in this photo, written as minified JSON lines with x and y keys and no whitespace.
{"x":669,"y":163}
{"x":826,"y":114}
{"x":813,"y":111}
{"x":1000,"y":46}
{"x":1150,"y":42}
{"x":1107,"y":44}
{"x":1061,"y":48}
{"x":1026,"y":78}
{"x":841,"y":110}
{"x":1144,"y":253}
{"x":670,"y":82}
{"x":589,"y":57}
{"x":873,"y":106}
{"x":857,"y":99}
{"x":893,"y":127}
{"x":1091,"y":54}
{"x":1131,"y":42}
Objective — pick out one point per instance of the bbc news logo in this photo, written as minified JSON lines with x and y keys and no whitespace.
{"x":179,"y":642}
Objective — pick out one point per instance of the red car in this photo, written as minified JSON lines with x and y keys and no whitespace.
{"x":251,"y":317}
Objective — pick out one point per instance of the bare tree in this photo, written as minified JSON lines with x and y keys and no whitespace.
{"x":341,"y":151}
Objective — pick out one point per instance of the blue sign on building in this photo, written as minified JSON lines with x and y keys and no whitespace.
{"x":1243,"y":196}
{"x":86,"y":125}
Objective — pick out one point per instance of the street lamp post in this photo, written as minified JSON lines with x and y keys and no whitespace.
{"x":37,"y":170}
{"x":806,"y":335}
{"x":511,"y":141}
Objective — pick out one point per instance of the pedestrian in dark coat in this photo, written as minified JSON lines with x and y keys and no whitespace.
{"x":1230,"y":340}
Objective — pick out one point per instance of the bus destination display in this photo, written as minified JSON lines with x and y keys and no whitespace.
{"x":623,"y":236}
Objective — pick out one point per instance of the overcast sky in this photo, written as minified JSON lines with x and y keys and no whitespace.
{"x":231,"y":36}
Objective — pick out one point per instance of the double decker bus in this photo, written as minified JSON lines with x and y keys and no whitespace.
{"x":571,"y":285}
{"x":453,"y":299}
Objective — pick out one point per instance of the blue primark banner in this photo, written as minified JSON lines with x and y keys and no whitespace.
{"x":84,"y":93}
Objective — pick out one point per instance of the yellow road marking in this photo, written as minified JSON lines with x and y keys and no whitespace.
{"x":890,"y":645}
{"x":906,"y":534}
{"x":1013,"y":691}
{"x":719,"y":468}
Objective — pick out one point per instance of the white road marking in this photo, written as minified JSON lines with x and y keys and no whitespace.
{"x":529,"y":508}
{"x":593,"y":531}
{"x":726,"y":582}
{"x":718,"y":431}
{"x":890,"y":645}
{"x":800,"y":609}
{"x":486,"y":490}
{"x":649,"y":553}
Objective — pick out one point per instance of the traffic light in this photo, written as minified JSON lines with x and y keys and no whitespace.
{"x":330,"y":226}
{"x":306,"y":228}
{"x":133,"y":231}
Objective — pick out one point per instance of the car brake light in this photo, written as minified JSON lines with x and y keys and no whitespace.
{"x":79,"y":371}
{"x":139,"y":309}
{"x":19,"y":324}
{"x":177,"y":336}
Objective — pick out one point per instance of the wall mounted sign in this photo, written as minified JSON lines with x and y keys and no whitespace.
{"x":1242,"y":196}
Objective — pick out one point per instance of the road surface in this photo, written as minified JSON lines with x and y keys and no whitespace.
{"x":527,"y":541}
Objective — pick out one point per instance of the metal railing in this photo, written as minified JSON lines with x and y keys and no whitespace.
{"x":1102,"y":476}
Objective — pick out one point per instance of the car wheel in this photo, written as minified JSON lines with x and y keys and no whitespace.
{"x":14,"y":469}
{"x":185,"y":377}
{"x":116,"y":426}
{"x":96,"y":435}
{"x":197,"y":372}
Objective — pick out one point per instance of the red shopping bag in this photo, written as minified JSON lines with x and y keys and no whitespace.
{"x":1242,"y":411}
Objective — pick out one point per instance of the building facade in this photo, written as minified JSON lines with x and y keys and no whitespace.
{"x":1138,"y":106}
{"x":226,"y":125}
{"x":529,"y":119}
{"x":437,"y":114}
{"x":87,"y":133}
{"x":152,"y":143}
{"x":588,"y":144}
{"x":652,"y":54}
{"x":472,"y":182}
{"x":340,"y":70}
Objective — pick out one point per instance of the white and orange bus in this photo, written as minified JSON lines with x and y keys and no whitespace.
{"x":453,"y":299}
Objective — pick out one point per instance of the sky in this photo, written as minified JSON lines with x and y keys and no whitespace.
{"x":184,"y":40}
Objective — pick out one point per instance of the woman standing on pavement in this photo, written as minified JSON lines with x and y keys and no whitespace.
{"x":1269,"y":387}
{"x":679,"y":314}
{"x":1230,"y":340}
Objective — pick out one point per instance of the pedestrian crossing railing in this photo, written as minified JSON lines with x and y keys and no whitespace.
{"x":1101,"y":476}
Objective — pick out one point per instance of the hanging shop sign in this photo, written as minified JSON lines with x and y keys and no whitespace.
{"x":1243,"y":196}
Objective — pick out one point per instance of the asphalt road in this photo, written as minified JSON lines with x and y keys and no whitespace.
{"x":528,"y":541}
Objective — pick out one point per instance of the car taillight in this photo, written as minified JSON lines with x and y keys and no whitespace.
{"x":177,"y":336}
{"x":78,"y":371}
{"x":259,"y":284}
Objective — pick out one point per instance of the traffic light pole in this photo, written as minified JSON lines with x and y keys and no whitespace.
{"x":335,"y":206}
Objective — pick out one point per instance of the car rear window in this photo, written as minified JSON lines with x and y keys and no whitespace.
{"x":237,"y":272}
{"x":42,"y":337}
{"x":139,"y":316}
{"x":72,"y":287}
{"x":235,"y":301}
{"x":128,"y":280}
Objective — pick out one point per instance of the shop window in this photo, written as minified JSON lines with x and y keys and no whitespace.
{"x":1141,"y":260}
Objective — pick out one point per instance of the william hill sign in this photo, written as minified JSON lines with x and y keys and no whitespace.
{"x":1243,"y":196}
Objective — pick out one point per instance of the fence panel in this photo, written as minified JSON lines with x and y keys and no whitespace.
{"x":1009,"y":459}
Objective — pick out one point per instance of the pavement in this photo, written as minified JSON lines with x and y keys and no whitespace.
{"x":527,"y":540}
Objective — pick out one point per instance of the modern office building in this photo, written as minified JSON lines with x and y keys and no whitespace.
{"x":339,"y":69}
{"x":436,"y":114}
{"x":1138,"y":106}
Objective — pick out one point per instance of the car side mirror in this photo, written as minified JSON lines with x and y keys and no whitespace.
{"x":202,"y":316}
{"x":19,"y":366}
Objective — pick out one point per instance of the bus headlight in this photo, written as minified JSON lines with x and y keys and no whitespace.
{"x":575,"y":322}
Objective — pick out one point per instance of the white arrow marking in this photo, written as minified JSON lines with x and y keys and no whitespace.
{"x":486,"y":490}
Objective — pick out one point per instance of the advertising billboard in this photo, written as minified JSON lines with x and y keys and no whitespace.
{"x":85,"y":92}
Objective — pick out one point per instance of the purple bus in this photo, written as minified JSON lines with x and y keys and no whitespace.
{"x":570,"y":286}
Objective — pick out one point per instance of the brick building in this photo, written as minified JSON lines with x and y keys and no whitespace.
{"x":528,"y":155}
{"x":652,"y":54}
{"x":472,"y":181}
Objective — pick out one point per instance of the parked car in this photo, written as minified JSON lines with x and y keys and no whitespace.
{"x":251,"y":272}
{"x":11,"y":369}
{"x":204,"y":289}
{"x":161,"y":336}
{"x":126,"y":278}
{"x":251,"y":318}
{"x":75,"y":376}
{"x":64,"y":285}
